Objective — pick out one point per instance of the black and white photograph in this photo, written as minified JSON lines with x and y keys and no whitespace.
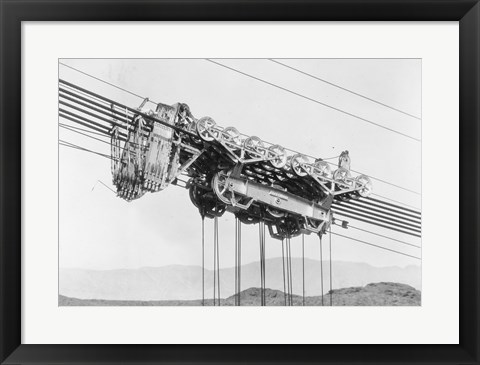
{"x":240,"y":182}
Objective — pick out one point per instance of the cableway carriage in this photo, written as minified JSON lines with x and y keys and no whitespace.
{"x":257,"y":181}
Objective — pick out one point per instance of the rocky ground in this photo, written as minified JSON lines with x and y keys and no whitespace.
{"x":375,"y":294}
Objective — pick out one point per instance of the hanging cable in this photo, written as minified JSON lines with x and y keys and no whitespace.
{"x":283,"y":266}
{"x":203,"y":260}
{"x":214,"y":262}
{"x":321,"y":266}
{"x":331,"y":280}
{"x":264,"y":263}
{"x":239,"y":261}
{"x":303,"y":269}
{"x":290,"y":271}
{"x":261,"y":229}
{"x":261,"y":261}
{"x":218,"y":258}
{"x":236,"y":261}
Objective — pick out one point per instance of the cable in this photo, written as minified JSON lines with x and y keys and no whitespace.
{"x":214,"y":263}
{"x":380,"y":247}
{"x":379,"y":235}
{"x":330,"y":251}
{"x":97,"y":107}
{"x":383,"y":215}
{"x":314,"y":100}
{"x":390,"y":204}
{"x":132,"y":110}
{"x":239,"y":261}
{"x":291,"y":274}
{"x":203,"y":260}
{"x":83,"y":134}
{"x":391,"y":222}
{"x":83,"y":121}
{"x":283,"y":266}
{"x":383,"y":210}
{"x":396,"y":201}
{"x":391,"y":208}
{"x":72,"y":145}
{"x":83,"y":130}
{"x":106,"y":82}
{"x":389,"y":183}
{"x":378,"y":224}
{"x":303,"y":269}
{"x":288,"y":271}
{"x":218,"y":259}
{"x":236,"y":261}
{"x":108,"y":187}
{"x":345,"y":89}
{"x":321,"y":267}
{"x":261,"y":232}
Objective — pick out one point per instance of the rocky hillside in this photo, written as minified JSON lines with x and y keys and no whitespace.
{"x":375,"y":294}
{"x":177,"y":282}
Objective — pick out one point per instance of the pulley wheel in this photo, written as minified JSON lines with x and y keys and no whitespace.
{"x":231,"y":136}
{"x":341,"y":174}
{"x":206,"y":129}
{"x":278,"y":156}
{"x":322,"y":169}
{"x":298,"y":163}
{"x":254,"y":145}
{"x":365,"y":183}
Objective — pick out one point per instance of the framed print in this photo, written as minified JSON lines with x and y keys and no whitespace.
{"x":315,"y":164}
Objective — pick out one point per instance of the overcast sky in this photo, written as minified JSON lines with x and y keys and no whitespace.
{"x":100,"y":231}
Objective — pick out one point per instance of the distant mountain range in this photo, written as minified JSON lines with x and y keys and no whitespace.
{"x":178,"y":282}
{"x":374,"y":294}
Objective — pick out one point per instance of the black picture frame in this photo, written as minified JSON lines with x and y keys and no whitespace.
{"x":13,"y":12}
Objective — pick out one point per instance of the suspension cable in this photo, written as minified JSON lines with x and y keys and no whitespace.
{"x":218,"y":259}
{"x":344,"y":89}
{"x":321,"y":266}
{"x":263,"y":264}
{"x":214,"y":263}
{"x":105,"y":82}
{"x":261,"y":261}
{"x":303,"y":269}
{"x":236,"y":261}
{"x":239,"y":260}
{"x":290,"y":271}
{"x":316,"y":101}
{"x":203,"y":260}
{"x":283,"y":266}
{"x":331,"y":280}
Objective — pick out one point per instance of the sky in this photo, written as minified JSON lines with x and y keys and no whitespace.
{"x":101,"y":231}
